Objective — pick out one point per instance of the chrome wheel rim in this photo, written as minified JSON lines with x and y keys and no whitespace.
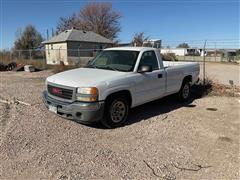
{"x":117,"y":111}
{"x":185,"y":91}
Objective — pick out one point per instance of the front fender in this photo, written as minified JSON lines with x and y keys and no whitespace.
{"x":114,"y":87}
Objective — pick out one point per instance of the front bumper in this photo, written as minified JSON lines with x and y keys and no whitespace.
{"x":82,"y":112}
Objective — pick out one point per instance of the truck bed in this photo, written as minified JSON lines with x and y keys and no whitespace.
{"x":167,"y":64}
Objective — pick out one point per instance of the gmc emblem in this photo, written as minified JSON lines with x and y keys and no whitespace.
{"x":56,"y":91}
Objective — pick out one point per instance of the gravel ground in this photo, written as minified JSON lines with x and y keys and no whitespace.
{"x":163,"y":139}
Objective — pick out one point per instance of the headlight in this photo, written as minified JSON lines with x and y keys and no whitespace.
{"x":87,"y":94}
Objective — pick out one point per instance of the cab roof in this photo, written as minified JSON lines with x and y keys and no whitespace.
{"x":127,"y":48}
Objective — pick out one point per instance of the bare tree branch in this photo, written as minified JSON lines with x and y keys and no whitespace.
{"x":198,"y":167}
{"x":15,"y":101}
{"x":183,"y":45}
{"x":153,"y":171}
{"x":139,"y":38}
{"x":98,"y":17}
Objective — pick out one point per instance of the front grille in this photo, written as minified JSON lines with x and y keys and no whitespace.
{"x":60,"y":92}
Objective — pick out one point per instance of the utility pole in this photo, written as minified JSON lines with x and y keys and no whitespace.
{"x":204,"y":62}
{"x":215,"y":51}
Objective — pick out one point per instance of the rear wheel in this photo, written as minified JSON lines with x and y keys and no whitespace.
{"x":184,"y":92}
{"x":116,"y":112}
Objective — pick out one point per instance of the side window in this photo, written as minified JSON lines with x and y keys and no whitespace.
{"x":149,"y":58}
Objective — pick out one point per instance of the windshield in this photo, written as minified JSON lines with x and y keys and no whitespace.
{"x":115,"y":60}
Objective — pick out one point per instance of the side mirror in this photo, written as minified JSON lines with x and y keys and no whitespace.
{"x":143,"y":69}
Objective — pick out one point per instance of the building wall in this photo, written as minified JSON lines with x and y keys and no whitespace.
{"x":72,"y":52}
{"x":177,"y":52}
{"x":56,"y":52}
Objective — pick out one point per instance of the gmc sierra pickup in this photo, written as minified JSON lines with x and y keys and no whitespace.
{"x":116,"y":80}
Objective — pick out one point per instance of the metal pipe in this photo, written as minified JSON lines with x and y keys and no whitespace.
{"x":204,"y":62}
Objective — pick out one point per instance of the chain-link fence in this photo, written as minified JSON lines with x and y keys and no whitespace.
{"x":226,"y":50}
{"x":43,"y":57}
{"x":181,"y":54}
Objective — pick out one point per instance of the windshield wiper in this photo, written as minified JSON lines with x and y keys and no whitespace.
{"x":112,"y":68}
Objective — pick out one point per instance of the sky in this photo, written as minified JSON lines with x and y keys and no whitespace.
{"x":172,"y":21}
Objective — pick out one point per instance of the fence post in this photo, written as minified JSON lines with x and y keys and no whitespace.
{"x":215,"y":52}
{"x":30,"y":53}
{"x":44,"y":59}
{"x":204,"y":62}
{"x":78,"y":56}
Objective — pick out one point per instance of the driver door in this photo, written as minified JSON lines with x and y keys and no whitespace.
{"x":149,"y":85}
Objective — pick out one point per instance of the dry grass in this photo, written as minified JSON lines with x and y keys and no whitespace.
{"x":214,"y":88}
{"x":169,"y":57}
{"x":41,"y":64}
{"x":38,"y":63}
{"x":223,"y":90}
{"x":61,"y":67}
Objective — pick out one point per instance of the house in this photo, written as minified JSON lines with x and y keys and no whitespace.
{"x":176,"y":51}
{"x":229,"y":52}
{"x":183,"y":51}
{"x":74,"y":46}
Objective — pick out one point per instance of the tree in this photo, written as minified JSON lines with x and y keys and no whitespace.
{"x":183,"y":45}
{"x":66,"y":23}
{"x":98,"y":17}
{"x":139,"y":38}
{"x":30,"y":38}
{"x":238,"y":53}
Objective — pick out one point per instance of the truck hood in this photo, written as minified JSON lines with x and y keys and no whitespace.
{"x":84,"y":77}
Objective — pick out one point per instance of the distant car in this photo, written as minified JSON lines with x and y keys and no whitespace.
{"x":116,"y":80}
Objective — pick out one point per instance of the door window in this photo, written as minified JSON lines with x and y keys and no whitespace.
{"x":149,"y":59}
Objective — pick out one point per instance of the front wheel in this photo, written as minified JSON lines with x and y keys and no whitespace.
{"x":184,"y":93}
{"x":116,"y":112}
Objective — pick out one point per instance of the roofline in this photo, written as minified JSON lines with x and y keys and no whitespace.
{"x":52,"y":42}
{"x":90,"y":41}
{"x":55,"y":42}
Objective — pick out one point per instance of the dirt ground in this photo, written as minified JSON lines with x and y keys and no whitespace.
{"x":162,"y":140}
{"x":222,"y":72}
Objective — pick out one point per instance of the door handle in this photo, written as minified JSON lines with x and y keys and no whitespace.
{"x":159,"y":75}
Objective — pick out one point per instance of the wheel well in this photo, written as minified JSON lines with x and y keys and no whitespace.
{"x":187,"y":78}
{"x":125,"y":93}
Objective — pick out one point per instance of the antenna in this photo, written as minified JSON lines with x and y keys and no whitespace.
{"x":52,"y":32}
{"x":47,"y":35}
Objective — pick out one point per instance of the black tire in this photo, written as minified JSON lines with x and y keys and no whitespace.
{"x":184,"y":92}
{"x":116,"y":111}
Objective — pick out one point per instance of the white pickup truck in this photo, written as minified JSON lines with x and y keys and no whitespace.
{"x":116,"y":80}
